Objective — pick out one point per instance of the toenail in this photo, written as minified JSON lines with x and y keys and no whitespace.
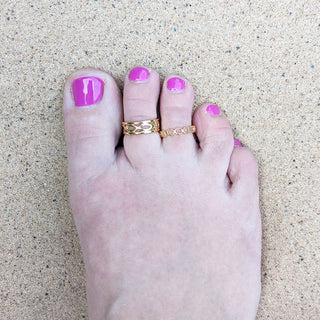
{"x":237,"y":143}
{"x":139,"y":74}
{"x":213,"y":110}
{"x":175,"y":84}
{"x":87,"y":91}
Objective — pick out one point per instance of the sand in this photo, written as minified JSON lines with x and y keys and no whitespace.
{"x":258,"y":60}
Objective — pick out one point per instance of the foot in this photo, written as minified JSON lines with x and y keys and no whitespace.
{"x":169,"y":228}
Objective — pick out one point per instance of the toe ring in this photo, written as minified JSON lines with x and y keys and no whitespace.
{"x":141,"y":127}
{"x":177,"y":131}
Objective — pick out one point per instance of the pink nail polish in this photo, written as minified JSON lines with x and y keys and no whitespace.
{"x":87,"y":91}
{"x":213,"y":110}
{"x":176,"y":84}
{"x":237,"y":143}
{"x":139,"y":74}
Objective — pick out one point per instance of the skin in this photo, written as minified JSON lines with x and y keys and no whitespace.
{"x":169,"y":228}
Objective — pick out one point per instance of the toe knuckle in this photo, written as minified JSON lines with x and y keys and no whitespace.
{"x":219,"y":136}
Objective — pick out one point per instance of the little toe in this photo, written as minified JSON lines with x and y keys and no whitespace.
{"x":176,"y":104}
{"x":140,"y":99}
{"x":244,"y":190}
{"x":215,"y":138}
{"x":92,"y":109}
{"x":243,"y":173}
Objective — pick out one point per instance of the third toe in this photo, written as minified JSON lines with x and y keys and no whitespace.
{"x":176,"y":104}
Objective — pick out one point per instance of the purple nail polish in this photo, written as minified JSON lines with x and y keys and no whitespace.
{"x":237,"y":143}
{"x":139,"y":74}
{"x":213,"y":110}
{"x":87,"y":91}
{"x":176,"y":84}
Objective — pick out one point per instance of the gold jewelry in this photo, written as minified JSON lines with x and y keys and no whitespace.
{"x":141,"y":127}
{"x":177,"y":131}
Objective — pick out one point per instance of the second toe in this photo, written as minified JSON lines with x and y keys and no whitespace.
{"x":140,"y":99}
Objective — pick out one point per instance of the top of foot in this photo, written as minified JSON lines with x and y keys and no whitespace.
{"x":169,"y":227}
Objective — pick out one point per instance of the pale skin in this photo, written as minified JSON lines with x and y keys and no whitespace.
{"x":169,"y":228}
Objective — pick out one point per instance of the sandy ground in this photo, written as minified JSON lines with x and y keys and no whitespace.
{"x":258,"y":60}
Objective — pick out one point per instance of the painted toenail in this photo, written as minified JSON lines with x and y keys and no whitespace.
{"x":139,"y":74}
{"x":213,"y":110}
{"x":87,"y":91}
{"x":237,"y":143}
{"x":176,"y":84}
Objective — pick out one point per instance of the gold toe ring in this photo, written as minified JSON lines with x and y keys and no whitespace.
{"x":177,"y":131}
{"x":141,"y":127}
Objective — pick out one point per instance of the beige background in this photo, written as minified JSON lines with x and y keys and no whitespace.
{"x":258,"y":60}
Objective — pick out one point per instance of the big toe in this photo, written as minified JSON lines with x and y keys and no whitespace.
{"x":92,"y":109}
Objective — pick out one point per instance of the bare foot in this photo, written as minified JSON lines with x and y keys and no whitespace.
{"x":169,"y":228}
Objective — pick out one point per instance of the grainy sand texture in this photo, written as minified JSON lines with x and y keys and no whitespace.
{"x":258,"y":60}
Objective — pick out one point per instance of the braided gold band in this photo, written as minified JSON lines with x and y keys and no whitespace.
{"x":177,"y":131}
{"x":141,"y":127}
